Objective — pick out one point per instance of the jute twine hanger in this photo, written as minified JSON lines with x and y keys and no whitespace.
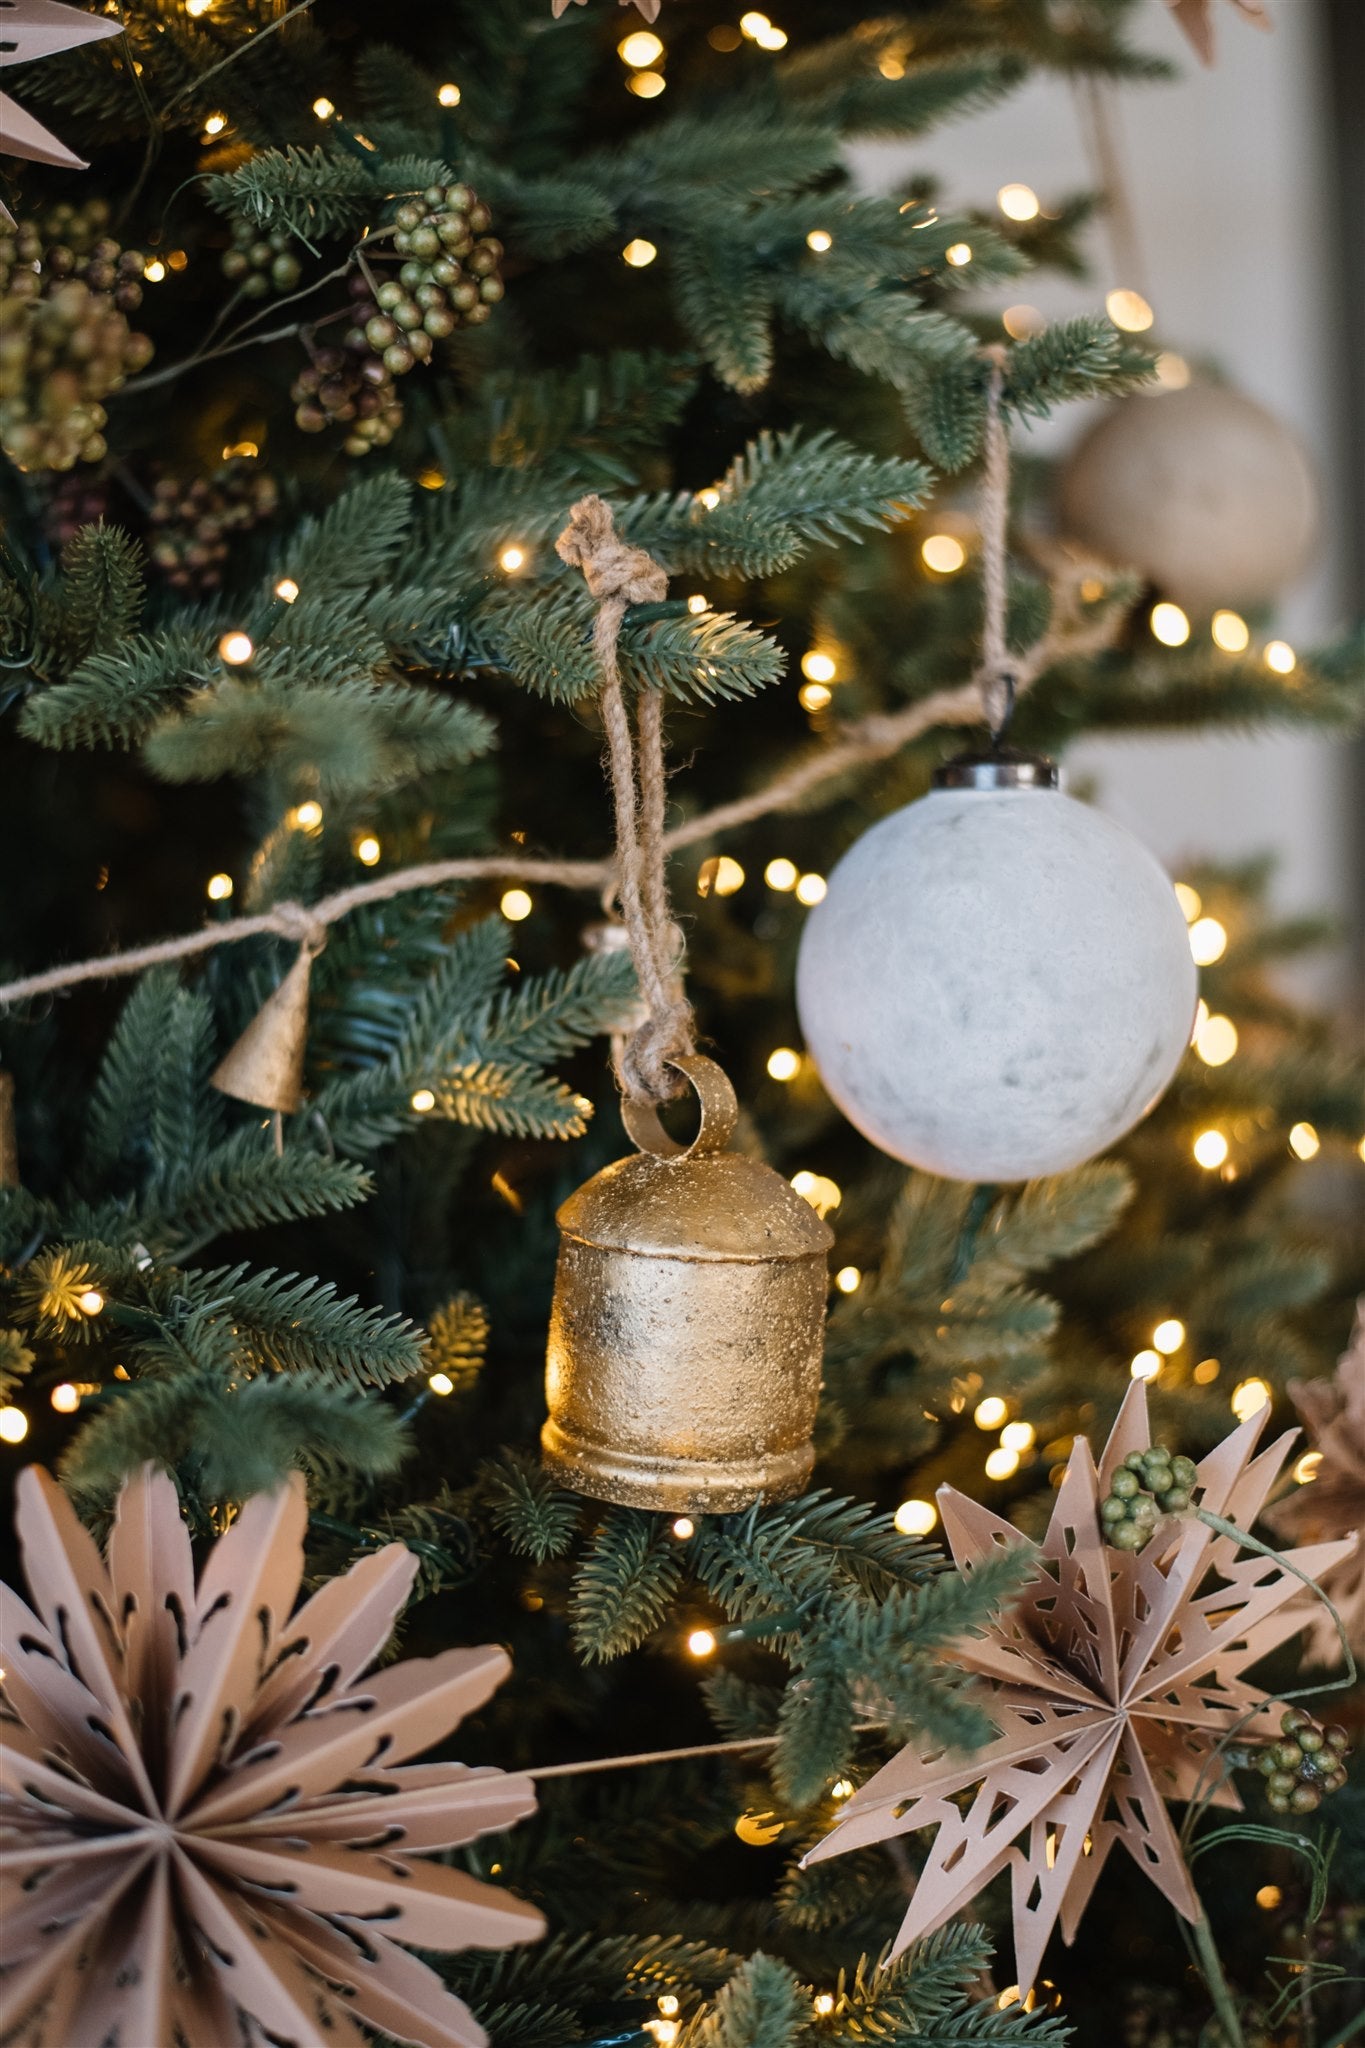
{"x":619,"y":575}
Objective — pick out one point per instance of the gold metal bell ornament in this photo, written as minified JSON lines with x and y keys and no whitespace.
{"x":683,"y":1369}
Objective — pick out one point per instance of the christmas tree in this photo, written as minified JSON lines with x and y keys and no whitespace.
{"x":303,"y":383}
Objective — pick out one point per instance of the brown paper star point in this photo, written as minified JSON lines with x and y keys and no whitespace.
{"x":209,"y":1830}
{"x":30,"y":29}
{"x":1113,"y":1677}
{"x":1196,"y":20}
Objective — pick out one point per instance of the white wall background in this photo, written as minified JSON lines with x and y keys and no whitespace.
{"x":1228,"y":174}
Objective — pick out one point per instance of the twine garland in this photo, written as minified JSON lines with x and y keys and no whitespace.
{"x":1072,"y":634}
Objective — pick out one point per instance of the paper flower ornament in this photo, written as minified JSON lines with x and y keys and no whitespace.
{"x":1196,"y":19}
{"x":39,"y":28}
{"x":1332,"y":1502}
{"x":1113,"y":1678}
{"x":207,"y":1829}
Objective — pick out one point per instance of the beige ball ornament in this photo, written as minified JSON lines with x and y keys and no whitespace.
{"x":1203,"y":490}
{"x":998,"y":983}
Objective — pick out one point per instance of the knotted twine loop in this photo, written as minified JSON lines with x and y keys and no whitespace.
{"x":297,"y":921}
{"x":997,"y":665}
{"x":619,"y":575}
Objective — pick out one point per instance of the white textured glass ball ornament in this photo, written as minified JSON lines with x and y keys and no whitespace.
{"x":998,"y":983}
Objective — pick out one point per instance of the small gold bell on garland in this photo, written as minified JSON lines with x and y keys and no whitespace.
{"x":265,"y":1066}
{"x":683,"y":1368}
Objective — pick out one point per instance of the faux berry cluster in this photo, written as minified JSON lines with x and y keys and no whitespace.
{"x":1147,"y":1485}
{"x":65,"y":343}
{"x":1307,"y":1762}
{"x":193,"y":518}
{"x":258,"y":263}
{"x":353,"y":386}
{"x":70,"y":242}
{"x":450,"y":276}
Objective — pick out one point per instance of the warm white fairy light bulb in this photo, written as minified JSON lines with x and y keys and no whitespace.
{"x":1210,"y":1149}
{"x":1018,"y":202}
{"x":915,"y":1517}
{"x":1208,"y":941}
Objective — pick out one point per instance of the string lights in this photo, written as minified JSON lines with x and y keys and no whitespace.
{"x":990,"y":1413}
{"x":784,"y":1064}
{"x":1208,"y":941}
{"x":810,"y":890}
{"x":1018,"y":202}
{"x":218,"y":888}
{"x":1248,"y":1398}
{"x":639,"y":253}
{"x":236,"y":648}
{"x":640,"y":49}
{"x":943,"y":553}
{"x":720,"y":876}
{"x":848,"y":1279}
{"x":13,"y":1425}
{"x":1304,"y":1142}
{"x":823,"y":1194}
{"x":818,"y":667}
{"x":1215,"y":1040}
{"x":515,"y":905}
{"x":1210,"y":1149}
{"x":1169,"y":624}
{"x":915,"y":1517}
{"x":1128,"y":310}
{"x":781,"y":874}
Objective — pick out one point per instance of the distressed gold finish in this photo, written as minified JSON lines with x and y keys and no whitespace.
{"x":265,"y":1066}
{"x":683,"y":1367}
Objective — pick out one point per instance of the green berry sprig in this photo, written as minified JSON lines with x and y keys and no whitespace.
{"x":450,"y":274}
{"x":259,"y":263}
{"x":1147,"y":1485}
{"x":1306,"y":1763}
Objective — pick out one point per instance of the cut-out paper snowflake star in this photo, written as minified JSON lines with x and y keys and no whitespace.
{"x":40,"y":28}
{"x":1196,"y":20}
{"x":649,"y":8}
{"x":208,"y":1831}
{"x":1114,"y":1676}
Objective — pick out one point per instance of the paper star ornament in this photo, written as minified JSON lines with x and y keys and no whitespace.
{"x":1332,"y":1503}
{"x":208,"y":1831}
{"x":40,"y":28}
{"x":1113,"y":1677}
{"x":1196,"y":19}
{"x":649,"y":8}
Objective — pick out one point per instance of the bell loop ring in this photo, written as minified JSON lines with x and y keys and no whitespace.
{"x":716,"y":1101}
